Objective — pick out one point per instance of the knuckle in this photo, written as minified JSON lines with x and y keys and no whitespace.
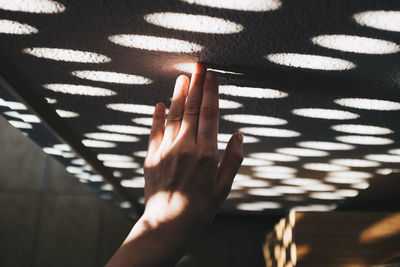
{"x":174,"y":116}
{"x":192,"y":109}
{"x":209,"y":111}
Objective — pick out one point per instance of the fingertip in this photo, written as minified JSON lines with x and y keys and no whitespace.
{"x":182,"y":79}
{"x":160,"y":106}
{"x":199,"y":68}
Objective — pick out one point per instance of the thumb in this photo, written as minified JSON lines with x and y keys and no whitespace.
{"x":230,"y":164}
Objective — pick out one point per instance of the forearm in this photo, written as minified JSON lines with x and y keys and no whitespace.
{"x":150,"y":245}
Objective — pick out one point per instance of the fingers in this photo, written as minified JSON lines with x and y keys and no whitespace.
{"x":175,"y":113}
{"x":230,"y":164}
{"x":157,"y":129}
{"x":209,"y":112}
{"x":192,"y":107}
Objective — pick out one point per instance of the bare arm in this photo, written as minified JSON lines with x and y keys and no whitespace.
{"x":184,"y":184}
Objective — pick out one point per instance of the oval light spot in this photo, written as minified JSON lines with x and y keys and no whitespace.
{"x":242,"y":5}
{"x":136,"y":182}
{"x":223,"y":137}
{"x":269,"y":132}
{"x":132,"y":108}
{"x":313,"y":62}
{"x":302,"y":152}
{"x":263,"y":192}
{"x":143,"y":121}
{"x":350,"y":174}
{"x":254,"y":119}
{"x":360,"y":163}
{"x":121,"y":164}
{"x":14,"y":27}
{"x":111,"y":77}
{"x":67,"y":55}
{"x":228,"y":104}
{"x":124,"y":129}
{"x":153,"y":43}
{"x":66,"y":113}
{"x":273,"y":156}
{"x":328,"y":114}
{"x":356,"y":44}
{"x":83,"y":90}
{"x":253,"y":92}
{"x":361,"y":129}
{"x":114,"y":157}
{"x":326,"y":167}
{"x":369,"y":104}
{"x":32,"y":6}
{"x":112,"y":137}
{"x":97,"y":143}
{"x":384,"y":158}
{"x":379,"y":19}
{"x":193,"y":23}
{"x":322,"y":145}
{"x":364,"y":140}
{"x":258,"y":206}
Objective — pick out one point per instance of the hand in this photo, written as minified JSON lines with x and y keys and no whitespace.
{"x":184,"y":184}
{"x":182,"y":176}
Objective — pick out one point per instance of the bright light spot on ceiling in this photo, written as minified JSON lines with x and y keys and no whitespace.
{"x":324,"y":167}
{"x":384,"y":158}
{"x":228,"y":104}
{"x":132,"y":108}
{"x":114,"y":157}
{"x":140,"y":154}
{"x":273,"y":156}
{"x":302,"y":152}
{"x":254,"y":119}
{"x":154,"y":43}
{"x":361,"y":163}
{"x":361,"y":129}
{"x":250,"y":183}
{"x":74,"y":169}
{"x":13,"y":27}
{"x":121,"y":164}
{"x":258,"y":206}
{"x":32,"y":6}
{"x":112,"y":137}
{"x":25,"y":117}
{"x":350,"y":174}
{"x":347,"y":192}
{"x":79,"y":89}
{"x":269,"y":132}
{"x":193,"y":23}
{"x":326,"y":195}
{"x":20,"y":124}
{"x":189,"y":68}
{"x":223,"y":137}
{"x":328,"y":114}
{"x":66,"y":114}
{"x":125,"y":129}
{"x":343,"y":180}
{"x":275,"y":169}
{"x":310,"y":61}
{"x":242,"y":5}
{"x":301,"y":181}
{"x":143,"y":121}
{"x":63,"y":147}
{"x":364,"y":140}
{"x":318,"y":187}
{"x":289,"y":190}
{"x":395,"y":151}
{"x":51,"y":100}
{"x":67,"y":55}
{"x":111,"y":77}
{"x":360,"y":186}
{"x":356,"y":44}
{"x":315,"y":207}
{"x":253,"y":92}
{"x":263,"y":192}
{"x":370,"y":104}
{"x":325,"y":145}
{"x":379,"y":19}
{"x":255,"y":162}
{"x":136,"y":182}
{"x":274,"y":175}
{"x":12,"y":105}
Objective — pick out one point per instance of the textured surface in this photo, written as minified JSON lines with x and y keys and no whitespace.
{"x":313,"y":52}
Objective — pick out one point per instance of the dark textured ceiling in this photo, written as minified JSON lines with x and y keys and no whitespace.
{"x":294,"y":74}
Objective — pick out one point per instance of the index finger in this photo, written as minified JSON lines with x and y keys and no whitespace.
{"x":209,"y":111}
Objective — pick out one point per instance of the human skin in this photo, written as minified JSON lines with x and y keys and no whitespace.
{"x":185,"y":185}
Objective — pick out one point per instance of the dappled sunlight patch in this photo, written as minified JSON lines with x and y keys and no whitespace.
{"x":124,"y":129}
{"x":17,"y":28}
{"x":111,"y":77}
{"x":313,"y":62}
{"x":322,"y":145}
{"x":33,"y":6}
{"x":254,"y":119}
{"x":361,"y":129}
{"x":193,"y":23}
{"x":324,"y":167}
{"x":66,"y":113}
{"x":368,"y":104}
{"x":387,"y":20}
{"x":241,"y":5}
{"x":269,"y":132}
{"x":132,"y":108}
{"x":273,"y":156}
{"x":83,"y":90}
{"x":356,"y":44}
{"x":384,"y":158}
{"x":258,"y":206}
{"x":135,"y":182}
{"x":153,"y":43}
{"x":361,"y":163}
{"x":364,"y":140}
{"x":112,"y":137}
{"x":67,"y":55}
{"x":302,"y":152}
{"x":253,"y":92}
{"x":328,"y":114}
